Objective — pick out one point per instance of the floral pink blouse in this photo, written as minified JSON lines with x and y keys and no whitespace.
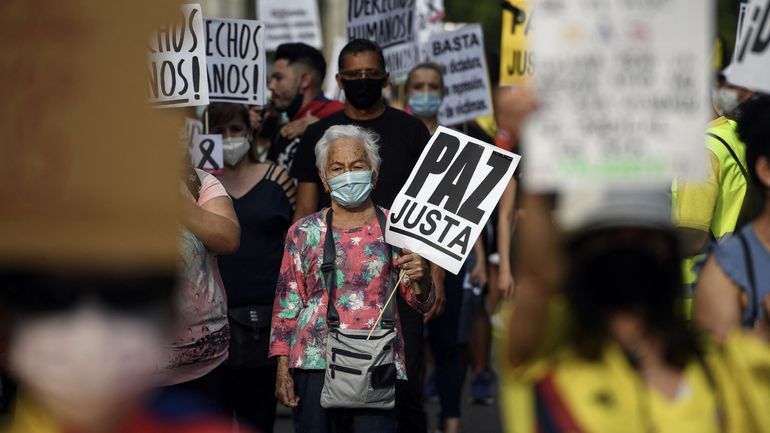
{"x":361,"y":273}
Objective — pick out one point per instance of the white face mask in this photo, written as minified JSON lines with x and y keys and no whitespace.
{"x":83,"y":366}
{"x":234,"y":149}
{"x":725,"y":100}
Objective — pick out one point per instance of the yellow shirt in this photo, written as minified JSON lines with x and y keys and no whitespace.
{"x":608,"y":395}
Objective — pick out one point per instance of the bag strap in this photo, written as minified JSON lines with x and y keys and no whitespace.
{"x":733,"y":154}
{"x":327,"y":267}
{"x":750,"y":273}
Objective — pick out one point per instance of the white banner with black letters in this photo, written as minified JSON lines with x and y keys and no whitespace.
{"x":461,"y":53}
{"x":177,"y":62}
{"x":443,"y":207}
{"x":393,"y":25}
{"x":236,"y":61}
{"x":290,"y":21}
{"x":751,"y":62}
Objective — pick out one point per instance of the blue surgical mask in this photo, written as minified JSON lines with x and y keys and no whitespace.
{"x":351,"y":189}
{"x":424,"y":104}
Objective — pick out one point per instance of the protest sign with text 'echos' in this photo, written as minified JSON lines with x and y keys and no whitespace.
{"x":443,"y":207}
{"x":751,"y":62}
{"x":235,"y":56}
{"x":177,"y":61}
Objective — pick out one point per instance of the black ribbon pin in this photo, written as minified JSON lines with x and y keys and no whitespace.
{"x":206,"y":147}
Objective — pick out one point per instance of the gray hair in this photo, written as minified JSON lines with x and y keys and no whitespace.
{"x":366,"y":137}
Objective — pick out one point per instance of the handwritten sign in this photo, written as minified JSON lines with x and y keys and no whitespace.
{"x":461,"y":53}
{"x":751,"y":62}
{"x":206,"y":152}
{"x":290,"y":21}
{"x":450,"y":194}
{"x":177,"y":62}
{"x":516,"y":58}
{"x":393,"y":25}
{"x":624,"y":94}
{"x":236,"y":61}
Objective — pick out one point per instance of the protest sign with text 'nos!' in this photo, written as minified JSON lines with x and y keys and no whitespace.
{"x":443,"y":207}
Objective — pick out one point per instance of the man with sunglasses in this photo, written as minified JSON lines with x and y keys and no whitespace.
{"x":402,"y":138}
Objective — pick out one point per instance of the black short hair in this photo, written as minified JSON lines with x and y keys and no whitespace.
{"x":297,"y":52}
{"x":754,"y":131}
{"x":357,"y":46}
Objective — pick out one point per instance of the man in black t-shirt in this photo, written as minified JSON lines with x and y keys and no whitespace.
{"x":362,"y":75}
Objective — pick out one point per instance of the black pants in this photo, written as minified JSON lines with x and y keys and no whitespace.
{"x":310,"y":417}
{"x":248,"y":394}
{"x":444,"y":343}
{"x":411,"y":414}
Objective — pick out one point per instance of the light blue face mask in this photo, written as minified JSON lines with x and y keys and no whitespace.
{"x":351,"y":189}
{"x":424,"y":104}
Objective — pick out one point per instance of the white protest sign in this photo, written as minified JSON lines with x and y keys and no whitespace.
{"x":207,"y":152}
{"x":430,"y":15}
{"x":624,"y":94}
{"x":461,"y":53}
{"x":193,"y":127}
{"x":441,"y":210}
{"x":290,"y":21}
{"x":177,"y":62}
{"x":393,"y":25}
{"x":236,"y":61}
{"x":751,"y":62}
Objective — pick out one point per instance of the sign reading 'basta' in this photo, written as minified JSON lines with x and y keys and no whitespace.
{"x":443,"y":207}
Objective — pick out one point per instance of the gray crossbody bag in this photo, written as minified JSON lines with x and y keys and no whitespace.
{"x":360,"y":366}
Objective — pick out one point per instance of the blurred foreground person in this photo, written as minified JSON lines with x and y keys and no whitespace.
{"x":734,"y":288}
{"x":598,"y":335}
{"x":85,"y":350}
{"x":262,"y":195}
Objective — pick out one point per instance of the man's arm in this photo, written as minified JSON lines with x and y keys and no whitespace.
{"x":307,"y":200}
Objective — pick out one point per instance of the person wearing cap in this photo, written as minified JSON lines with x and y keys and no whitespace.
{"x":295,"y":82}
{"x":597,"y":341}
{"x":710,"y":210}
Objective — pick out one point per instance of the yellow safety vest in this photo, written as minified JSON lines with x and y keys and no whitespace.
{"x":732,"y":186}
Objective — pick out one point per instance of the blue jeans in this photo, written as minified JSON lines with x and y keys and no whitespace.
{"x":310,"y":417}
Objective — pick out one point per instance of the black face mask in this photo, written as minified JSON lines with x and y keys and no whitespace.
{"x":269,"y":126}
{"x":363,"y":93}
{"x":295,"y":106}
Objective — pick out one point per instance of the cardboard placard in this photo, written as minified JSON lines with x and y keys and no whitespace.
{"x":235,"y":58}
{"x":443,"y":207}
{"x":624,"y":94}
{"x":461,"y":53}
{"x":290,"y":21}
{"x":393,"y":25}
{"x":515,"y":55}
{"x":177,"y":62}
{"x":77,"y":191}
{"x":206,"y":152}
{"x":751,"y":62}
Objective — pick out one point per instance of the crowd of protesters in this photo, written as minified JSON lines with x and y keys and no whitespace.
{"x":627,"y":310}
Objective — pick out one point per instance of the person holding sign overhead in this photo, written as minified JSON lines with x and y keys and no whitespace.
{"x":263,"y":197}
{"x":402,"y":138}
{"x":337,"y":278}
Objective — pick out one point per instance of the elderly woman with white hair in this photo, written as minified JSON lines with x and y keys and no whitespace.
{"x":337,"y":287}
